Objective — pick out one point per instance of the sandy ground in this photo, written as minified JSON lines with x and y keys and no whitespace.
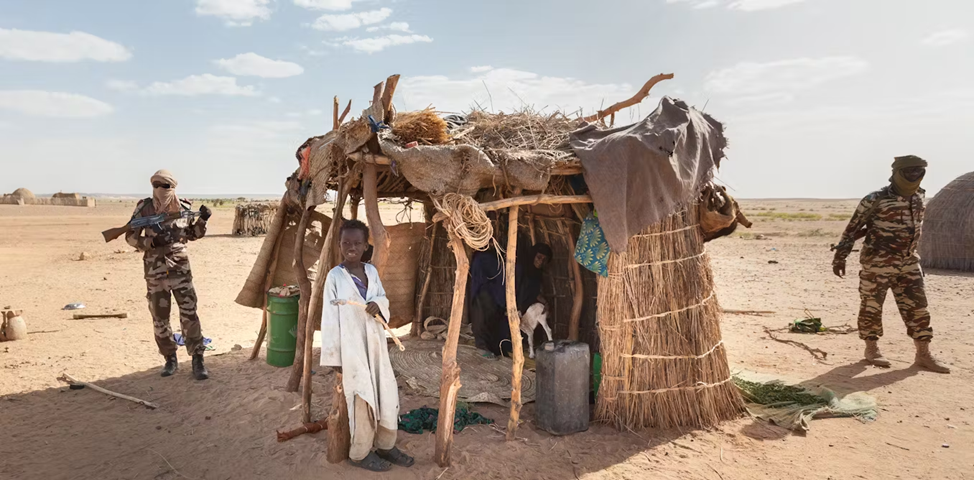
{"x":224,"y":428}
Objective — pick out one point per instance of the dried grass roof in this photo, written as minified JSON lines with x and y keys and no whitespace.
{"x":948,"y":229}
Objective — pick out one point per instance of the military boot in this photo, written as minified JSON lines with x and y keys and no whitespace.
{"x":199,"y":371}
{"x":874,"y":356}
{"x":171,"y":366}
{"x":926,"y":360}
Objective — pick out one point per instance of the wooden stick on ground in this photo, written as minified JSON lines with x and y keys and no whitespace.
{"x":421,"y":301}
{"x":514,"y":322}
{"x":267,"y":286}
{"x":83,"y":316}
{"x":638,"y":97}
{"x":748,"y":312}
{"x":71,"y":380}
{"x":301,"y":275}
{"x":313,"y":427}
{"x":450,"y":376}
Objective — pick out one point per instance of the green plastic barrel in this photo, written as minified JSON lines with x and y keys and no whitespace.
{"x":596,"y":372}
{"x":282,"y":323}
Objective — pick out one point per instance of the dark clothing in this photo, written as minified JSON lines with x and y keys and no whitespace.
{"x":489,"y":323}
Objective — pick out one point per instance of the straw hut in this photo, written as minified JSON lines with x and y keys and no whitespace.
{"x":948,"y":229}
{"x":252,"y":219}
{"x":508,"y":181}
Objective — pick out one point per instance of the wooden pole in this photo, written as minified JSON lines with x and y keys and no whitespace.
{"x":348,"y":108}
{"x":450,"y":376}
{"x":421,"y":301}
{"x":526,"y":200}
{"x":514,"y":322}
{"x":267,"y":286}
{"x":355,"y":201}
{"x":339,"y":434}
{"x":301,"y":274}
{"x":387,"y":94}
{"x":334,"y":114}
{"x":380,"y":238}
{"x":578,"y":295}
{"x":324,"y":265}
{"x":638,"y":97}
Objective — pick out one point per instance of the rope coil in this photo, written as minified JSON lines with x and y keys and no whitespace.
{"x":466,"y":219}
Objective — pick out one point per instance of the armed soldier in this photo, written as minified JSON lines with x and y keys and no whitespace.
{"x":167,"y":270}
{"x":891,"y":220}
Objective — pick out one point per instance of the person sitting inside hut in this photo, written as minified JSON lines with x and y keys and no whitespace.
{"x":353,"y":342}
{"x":488,"y":305}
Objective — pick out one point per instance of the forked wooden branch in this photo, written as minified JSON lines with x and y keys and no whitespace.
{"x":73,"y":381}
{"x":514,"y":323}
{"x":348,"y":108}
{"x":635,"y":99}
{"x":450,"y":373}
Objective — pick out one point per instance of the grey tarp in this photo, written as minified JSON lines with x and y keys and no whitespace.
{"x":641,"y":173}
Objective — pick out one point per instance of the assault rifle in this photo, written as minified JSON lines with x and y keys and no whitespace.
{"x":859,"y":234}
{"x":143,"y":222}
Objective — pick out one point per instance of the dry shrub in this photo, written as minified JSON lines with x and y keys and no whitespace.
{"x":424,"y":126}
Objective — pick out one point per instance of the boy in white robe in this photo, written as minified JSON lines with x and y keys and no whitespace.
{"x":354,"y":343}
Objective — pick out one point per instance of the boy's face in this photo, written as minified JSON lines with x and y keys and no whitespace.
{"x":352,"y":244}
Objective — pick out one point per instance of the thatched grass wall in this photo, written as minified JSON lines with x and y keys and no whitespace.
{"x":253,"y":219}
{"x":948,"y":229}
{"x":664,"y":363}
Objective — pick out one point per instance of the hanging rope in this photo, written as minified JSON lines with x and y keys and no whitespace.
{"x":466,"y":219}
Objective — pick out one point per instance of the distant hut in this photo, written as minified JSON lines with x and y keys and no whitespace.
{"x":253,"y":219}
{"x":23,"y":194}
{"x":68,"y":196}
{"x":948,"y":229}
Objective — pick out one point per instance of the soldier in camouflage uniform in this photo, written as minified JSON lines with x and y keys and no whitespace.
{"x":167,"y":270}
{"x":890,"y":219}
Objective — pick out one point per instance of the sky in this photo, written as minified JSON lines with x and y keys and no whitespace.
{"x":817,"y":96}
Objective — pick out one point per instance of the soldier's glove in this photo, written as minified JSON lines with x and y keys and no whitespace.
{"x":205,"y":212}
{"x":838,"y":268}
{"x":167,"y":237}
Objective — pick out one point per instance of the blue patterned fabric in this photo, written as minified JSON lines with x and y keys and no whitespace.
{"x":592,"y":251}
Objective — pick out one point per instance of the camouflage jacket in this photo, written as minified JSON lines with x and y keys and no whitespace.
{"x":170,"y":260}
{"x":891,"y":225}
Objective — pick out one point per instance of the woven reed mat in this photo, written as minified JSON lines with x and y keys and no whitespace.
{"x":481,"y":380}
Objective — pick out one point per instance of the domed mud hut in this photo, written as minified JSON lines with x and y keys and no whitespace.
{"x":629,"y":275}
{"x":948,"y":227}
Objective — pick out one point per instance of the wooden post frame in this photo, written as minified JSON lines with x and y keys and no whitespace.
{"x":450,"y":376}
{"x":380,"y":238}
{"x":421,"y":301}
{"x":317,"y":296}
{"x":301,"y":274}
{"x":514,"y":322}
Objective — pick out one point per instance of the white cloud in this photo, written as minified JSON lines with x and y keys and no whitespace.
{"x":122,"y":85}
{"x":394,"y":26}
{"x":742,"y":5}
{"x":274,"y":100}
{"x":59,"y":47}
{"x":205,"y":84}
{"x":237,"y":13}
{"x":52,"y":104}
{"x":251,"y":64}
{"x":326,"y":4}
{"x":378,"y":44}
{"x":779,"y":80}
{"x":481,"y":69}
{"x":505,"y":89}
{"x":946,"y":37}
{"x":311,"y":52}
{"x":351,"y":21}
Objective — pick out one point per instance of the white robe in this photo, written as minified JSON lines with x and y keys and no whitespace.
{"x":353,"y":340}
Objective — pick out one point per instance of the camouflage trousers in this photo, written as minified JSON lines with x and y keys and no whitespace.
{"x":906,"y":282}
{"x":160,"y":294}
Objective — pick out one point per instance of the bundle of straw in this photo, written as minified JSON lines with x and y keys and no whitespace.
{"x":524,"y":130}
{"x":424,"y":126}
{"x":664,"y":363}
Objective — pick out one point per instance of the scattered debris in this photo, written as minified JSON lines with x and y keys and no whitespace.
{"x":74,"y":306}
{"x":772,"y":262}
{"x":816,"y":353}
{"x":82,"y":316}
{"x":748,"y":312}
{"x":236,"y":347}
{"x":946,"y":445}
{"x":84,"y":256}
